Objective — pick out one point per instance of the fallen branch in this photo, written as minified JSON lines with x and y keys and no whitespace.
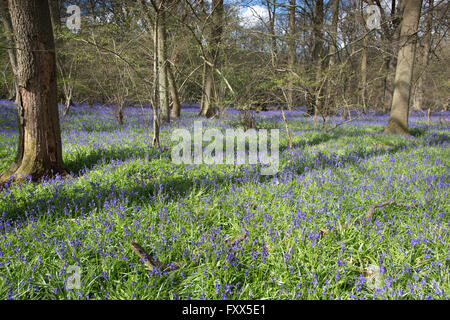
{"x":371,"y":210}
{"x":136,"y":247}
{"x":150,"y":261}
{"x":241,"y":238}
{"x":340,"y":124}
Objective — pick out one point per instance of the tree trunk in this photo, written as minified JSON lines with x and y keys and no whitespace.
{"x":398,"y":120}
{"x":7,"y":25}
{"x":364,"y":73}
{"x":391,"y":36}
{"x":176,"y":107}
{"x":6,"y":17}
{"x":213,"y":58}
{"x":207,"y":108}
{"x":292,"y":51}
{"x":317,"y":57}
{"x":55,"y":13}
{"x":425,"y":57}
{"x":272,"y":17}
{"x":330,"y":101}
{"x":119,"y":113}
{"x":163,"y":81}
{"x":36,"y":70}
{"x":155,"y":99}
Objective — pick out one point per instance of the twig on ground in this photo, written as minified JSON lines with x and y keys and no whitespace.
{"x":371,"y":210}
{"x":341,"y":123}
{"x":136,"y":247}
{"x":150,"y":261}
{"x":241,"y":238}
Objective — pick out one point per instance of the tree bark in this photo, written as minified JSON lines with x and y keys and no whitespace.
{"x":213,"y":58}
{"x":292,"y":50}
{"x":207,"y":109}
{"x":364,"y":73}
{"x":420,"y":95}
{"x":176,"y":107}
{"x":398,"y":120}
{"x":330,"y":101}
{"x":7,"y":25}
{"x":391,"y":37}
{"x":36,"y":71}
{"x":163,"y":81}
{"x":271,"y":9}
{"x":318,"y":18}
{"x":55,"y":13}
{"x":155,"y":102}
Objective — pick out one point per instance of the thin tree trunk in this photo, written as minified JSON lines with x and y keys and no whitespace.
{"x":207,"y":109}
{"x":398,"y":120}
{"x":292,"y":50}
{"x":155,"y":99}
{"x":36,"y":70}
{"x":391,"y":36}
{"x":54,"y":13}
{"x":176,"y":107}
{"x":7,"y":25}
{"x":162,"y":69}
{"x":272,"y":17}
{"x":317,"y":57}
{"x":364,"y":73}
{"x":333,"y":49}
{"x":213,"y":53}
{"x":425,"y":57}
{"x":4,"y":13}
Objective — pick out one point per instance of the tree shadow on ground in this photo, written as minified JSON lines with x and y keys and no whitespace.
{"x":87,"y":161}
{"x":68,"y":200}
{"x":417,"y":132}
{"x":320,"y":138}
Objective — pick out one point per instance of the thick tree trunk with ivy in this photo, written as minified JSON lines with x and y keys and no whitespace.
{"x":398,"y":120}
{"x":36,"y":73}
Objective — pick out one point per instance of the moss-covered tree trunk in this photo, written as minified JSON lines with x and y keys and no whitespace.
{"x":398,"y":120}
{"x":36,"y":75}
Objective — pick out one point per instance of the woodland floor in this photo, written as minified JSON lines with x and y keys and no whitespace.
{"x":226,"y":232}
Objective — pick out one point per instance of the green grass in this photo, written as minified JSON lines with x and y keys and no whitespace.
{"x":189,"y":214}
